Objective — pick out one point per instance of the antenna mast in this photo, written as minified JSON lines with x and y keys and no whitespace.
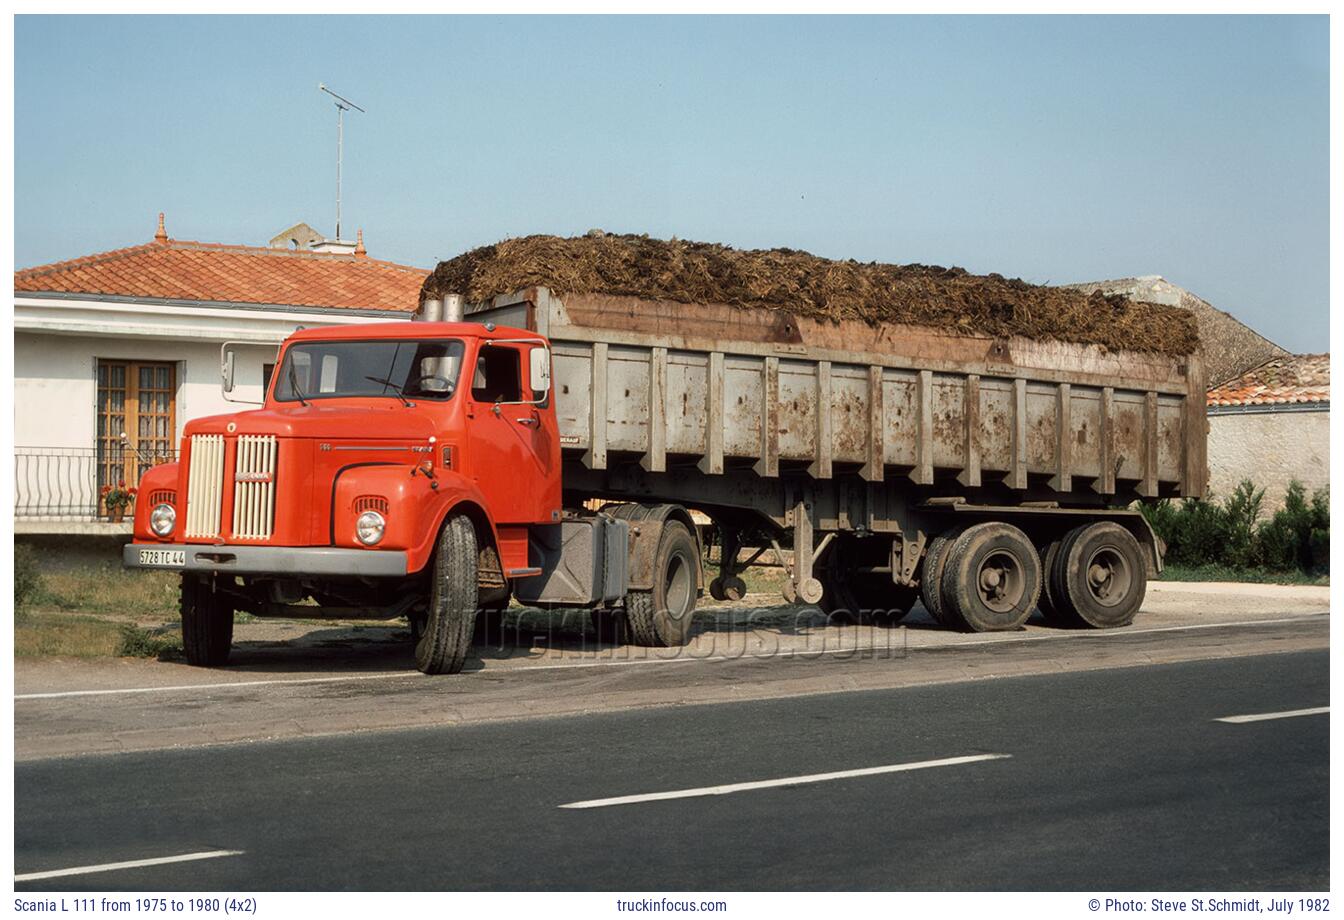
{"x":342,"y":104}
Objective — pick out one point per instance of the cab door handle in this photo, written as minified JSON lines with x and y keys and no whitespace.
{"x":529,"y":422}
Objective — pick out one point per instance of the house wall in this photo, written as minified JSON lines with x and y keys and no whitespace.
{"x":1271,"y":449}
{"x":56,"y":387}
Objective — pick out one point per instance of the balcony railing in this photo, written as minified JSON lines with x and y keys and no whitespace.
{"x":65,"y":483}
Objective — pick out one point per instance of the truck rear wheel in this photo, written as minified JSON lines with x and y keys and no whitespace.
{"x":931,"y":580}
{"x":207,"y":623}
{"x":992,"y":578}
{"x":1100,"y":577}
{"x":443,"y":645}
{"x":663,"y":616}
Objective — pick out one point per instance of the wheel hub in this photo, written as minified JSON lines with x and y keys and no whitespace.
{"x":999,"y":582}
{"x":1108,"y":576}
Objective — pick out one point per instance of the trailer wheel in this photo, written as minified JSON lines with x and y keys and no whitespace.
{"x":1100,"y":577}
{"x":1047,"y":603}
{"x":992,"y":578}
{"x":442,"y":648}
{"x":931,"y":578}
{"x":207,"y":624}
{"x":662,"y":617}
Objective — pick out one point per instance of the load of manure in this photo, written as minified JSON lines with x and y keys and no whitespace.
{"x":949,"y":299}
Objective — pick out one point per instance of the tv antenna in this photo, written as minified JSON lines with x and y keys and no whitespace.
{"x":342,"y":105}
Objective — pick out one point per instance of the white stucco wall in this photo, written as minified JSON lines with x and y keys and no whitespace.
{"x":56,"y":387}
{"x":58,"y":341}
{"x":1271,"y":449}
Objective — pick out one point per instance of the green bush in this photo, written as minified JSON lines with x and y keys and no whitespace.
{"x":27,"y":576}
{"x":1232,"y":534}
{"x":1298,"y":535}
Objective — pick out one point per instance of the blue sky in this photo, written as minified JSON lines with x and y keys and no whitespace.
{"x":1054,"y":149}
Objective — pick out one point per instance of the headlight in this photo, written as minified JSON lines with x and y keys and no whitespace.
{"x":163,"y":519}
{"x":369,"y":527}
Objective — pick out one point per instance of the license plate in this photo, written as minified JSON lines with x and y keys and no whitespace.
{"x":167,"y":558}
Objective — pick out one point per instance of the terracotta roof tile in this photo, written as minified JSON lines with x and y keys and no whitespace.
{"x":1279,"y":381}
{"x":187,"y":270}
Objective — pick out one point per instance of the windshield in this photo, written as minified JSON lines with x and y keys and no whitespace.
{"x":326,"y":370}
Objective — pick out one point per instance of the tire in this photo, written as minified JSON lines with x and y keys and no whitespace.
{"x":663,"y":617}
{"x":442,"y":648}
{"x":992,"y":578}
{"x":1100,"y":577}
{"x":207,"y":624}
{"x":1046,"y":604}
{"x":931,"y":577}
{"x":858,"y":597}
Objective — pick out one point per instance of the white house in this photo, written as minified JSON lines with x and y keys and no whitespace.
{"x":114,"y":352}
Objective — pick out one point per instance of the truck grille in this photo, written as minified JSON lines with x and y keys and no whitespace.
{"x":254,"y":487}
{"x":205,"y":485}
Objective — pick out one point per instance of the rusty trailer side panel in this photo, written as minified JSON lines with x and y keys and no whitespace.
{"x":710,"y":387}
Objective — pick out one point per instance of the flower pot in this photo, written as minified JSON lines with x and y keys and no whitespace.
{"x":116,"y":514}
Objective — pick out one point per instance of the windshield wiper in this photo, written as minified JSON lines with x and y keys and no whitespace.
{"x":395,"y":389}
{"x":294,"y":384}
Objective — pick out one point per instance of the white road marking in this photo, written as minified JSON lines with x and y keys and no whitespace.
{"x":130,"y":864}
{"x":786,"y":781}
{"x":219,"y":686}
{"x":691,"y":658}
{"x":1267,"y":716}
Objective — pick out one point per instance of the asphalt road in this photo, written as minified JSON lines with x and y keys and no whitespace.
{"x":1114,"y":780}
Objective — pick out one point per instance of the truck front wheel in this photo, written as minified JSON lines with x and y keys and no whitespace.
{"x":207,"y":623}
{"x":662,"y":617}
{"x":451,"y":618}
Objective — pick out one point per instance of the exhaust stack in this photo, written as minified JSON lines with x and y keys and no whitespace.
{"x":451,"y":309}
{"x":429,"y":311}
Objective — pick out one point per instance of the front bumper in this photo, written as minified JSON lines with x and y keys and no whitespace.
{"x":268,"y":560}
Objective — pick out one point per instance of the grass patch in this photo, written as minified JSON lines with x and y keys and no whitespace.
{"x":109,"y":589}
{"x":42,"y":634}
{"x":162,"y":642}
{"x":1246,"y":575}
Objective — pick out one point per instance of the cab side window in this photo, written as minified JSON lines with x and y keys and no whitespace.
{"x":497,"y":377}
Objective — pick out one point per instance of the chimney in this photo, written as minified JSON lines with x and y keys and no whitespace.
{"x":360,"y":251}
{"x":161,"y":236}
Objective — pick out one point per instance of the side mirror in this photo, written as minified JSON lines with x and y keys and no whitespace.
{"x":540,"y":370}
{"x":226,"y":360}
{"x":228,"y":364}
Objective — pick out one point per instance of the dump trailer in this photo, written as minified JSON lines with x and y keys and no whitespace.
{"x":876,"y":462}
{"x":437,"y":469}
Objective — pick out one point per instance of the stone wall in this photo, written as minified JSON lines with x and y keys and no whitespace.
{"x":1271,"y":449}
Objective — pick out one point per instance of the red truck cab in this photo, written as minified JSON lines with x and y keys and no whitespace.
{"x":372,"y":439}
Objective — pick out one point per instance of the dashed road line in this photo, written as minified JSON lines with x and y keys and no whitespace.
{"x":1268,"y":716}
{"x":784,"y":781}
{"x":129,"y":864}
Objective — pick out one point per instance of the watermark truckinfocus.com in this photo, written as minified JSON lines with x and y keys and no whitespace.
{"x":670,"y":905}
{"x":746,"y":633}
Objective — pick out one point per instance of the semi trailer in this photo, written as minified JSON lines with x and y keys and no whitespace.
{"x":438,"y":468}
